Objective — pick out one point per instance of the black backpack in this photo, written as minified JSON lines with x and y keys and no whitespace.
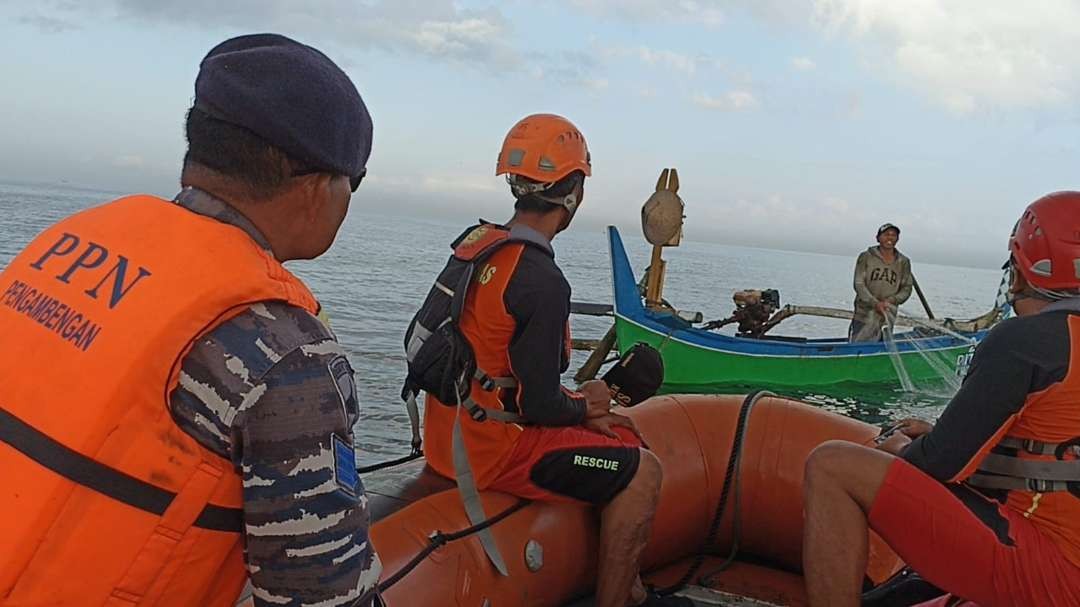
{"x":440,"y":359}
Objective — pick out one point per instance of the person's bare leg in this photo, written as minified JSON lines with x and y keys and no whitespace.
{"x":625,"y":523}
{"x":841,"y":482}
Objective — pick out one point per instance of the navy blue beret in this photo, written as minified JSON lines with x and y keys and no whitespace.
{"x":290,"y":95}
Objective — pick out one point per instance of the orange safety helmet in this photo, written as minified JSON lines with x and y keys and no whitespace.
{"x":1045,"y":243}
{"x":544,"y":148}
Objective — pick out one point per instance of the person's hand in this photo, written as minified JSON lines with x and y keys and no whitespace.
{"x":597,"y":398}
{"x":882,"y":308}
{"x":914,"y":427}
{"x":895,"y":443}
{"x":605,"y":423}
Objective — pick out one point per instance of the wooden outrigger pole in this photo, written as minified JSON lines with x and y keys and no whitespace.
{"x":662,"y":223}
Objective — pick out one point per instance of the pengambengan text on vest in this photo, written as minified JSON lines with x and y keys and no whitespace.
{"x":71,"y":325}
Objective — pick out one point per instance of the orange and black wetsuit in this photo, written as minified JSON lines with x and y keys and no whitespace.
{"x":995,"y":547}
{"x":516,"y":317}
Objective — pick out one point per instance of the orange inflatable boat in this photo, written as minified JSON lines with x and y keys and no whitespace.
{"x":551,"y":549}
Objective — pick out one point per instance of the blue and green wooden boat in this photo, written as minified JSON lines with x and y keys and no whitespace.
{"x":697,"y":360}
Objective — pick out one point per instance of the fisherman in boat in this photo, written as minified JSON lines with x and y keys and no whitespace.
{"x":175,"y":418}
{"x":986,"y":503}
{"x":883,"y":281}
{"x":524,"y":433}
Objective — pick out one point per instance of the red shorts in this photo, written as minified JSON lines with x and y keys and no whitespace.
{"x":969,"y":545}
{"x":569,"y":464}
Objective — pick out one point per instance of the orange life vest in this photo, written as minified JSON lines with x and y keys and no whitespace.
{"x":489,"y":327}
{"x":105,"y":500}
{"x":1048,"y":418}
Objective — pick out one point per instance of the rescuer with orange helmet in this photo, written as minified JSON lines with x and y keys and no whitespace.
{"x":522,"y":431}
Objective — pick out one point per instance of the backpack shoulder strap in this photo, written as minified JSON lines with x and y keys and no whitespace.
{"x":486,"y":238}
{"x":481,"y":241}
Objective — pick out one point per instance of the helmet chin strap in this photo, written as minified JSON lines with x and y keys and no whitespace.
{"x":1051,"y":295}
{"x":1030,"y":292}
{"x":570,"y":202}
{"x":521,"y":188}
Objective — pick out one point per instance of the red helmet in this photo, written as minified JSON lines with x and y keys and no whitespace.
{"x":1045,"y":243}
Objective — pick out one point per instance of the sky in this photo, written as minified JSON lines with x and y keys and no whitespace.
{"x":794,"y":124}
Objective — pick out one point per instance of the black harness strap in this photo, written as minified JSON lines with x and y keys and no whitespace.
{"x":107,"y":481}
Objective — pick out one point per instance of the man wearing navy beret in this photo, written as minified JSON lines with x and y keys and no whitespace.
{"x":202,"y":436}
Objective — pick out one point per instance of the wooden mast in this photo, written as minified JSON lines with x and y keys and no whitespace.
{"x":661,"y":221}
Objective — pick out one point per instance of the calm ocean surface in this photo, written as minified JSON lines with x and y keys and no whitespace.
{"x":380,"y":268}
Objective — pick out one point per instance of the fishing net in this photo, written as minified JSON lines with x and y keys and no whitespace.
{"x":948,"y":369}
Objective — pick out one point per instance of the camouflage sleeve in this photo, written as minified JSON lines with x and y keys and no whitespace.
{"x":273,"y":391}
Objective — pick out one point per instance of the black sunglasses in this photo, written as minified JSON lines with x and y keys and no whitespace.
{"x":354,"y":181}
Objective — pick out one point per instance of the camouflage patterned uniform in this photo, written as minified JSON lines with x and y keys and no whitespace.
{"x":272,"y":391}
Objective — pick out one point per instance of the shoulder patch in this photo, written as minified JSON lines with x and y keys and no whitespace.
{"x":345,"y":475}
{"x":342,"y":372}
{"x":481,"y":240}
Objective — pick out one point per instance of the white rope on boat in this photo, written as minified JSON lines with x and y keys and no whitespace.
{"x":926,"y":323}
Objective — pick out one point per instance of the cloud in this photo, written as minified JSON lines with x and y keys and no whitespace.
{"x":686,"y":65}
{"x":460,"y":184}
{"x":596,"y":85}
{"x":568,"y":67}
{"x":454,"y":37}
{"x":965,"y":55}
{"x":48,"y":24}
{"x":674,"y":61}
{"x":705,"y":12}
{"x":670,"y":59}
{"x":436,"y":29}
{"x":781,"y":220}
{"x":731,"y":101}
{"x":825,"y":222}
{"x":438,"y":193}
{"x":132,"y":161}
{"x":433,"y":30}
{"x":969,"y":54}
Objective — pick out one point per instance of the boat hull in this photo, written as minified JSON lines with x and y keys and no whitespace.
{"x":696,"y":360}
{"x":692,"y":436}
{"x":689,"y":367}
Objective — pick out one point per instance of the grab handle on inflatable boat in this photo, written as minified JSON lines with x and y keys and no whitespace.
{"x":731,"y":479}
{"x":440,"y":539}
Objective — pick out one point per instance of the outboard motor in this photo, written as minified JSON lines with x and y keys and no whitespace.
{"x":753,"y":309}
